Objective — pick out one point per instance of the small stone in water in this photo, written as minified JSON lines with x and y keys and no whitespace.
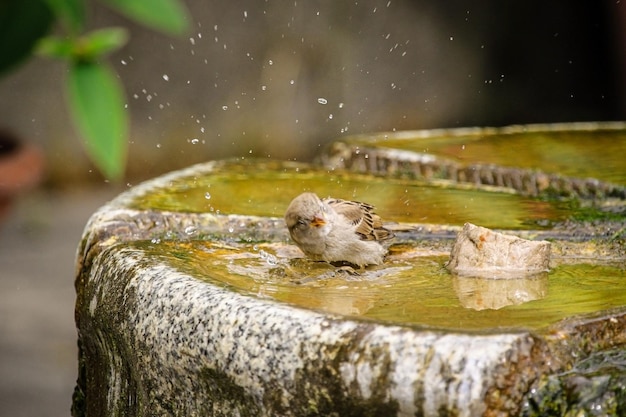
{"x":479,"y":251}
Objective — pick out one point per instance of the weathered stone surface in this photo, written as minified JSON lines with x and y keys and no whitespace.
{"x":595,"y":386}
{"x":481,"y":252}
{"x":156,"y":342}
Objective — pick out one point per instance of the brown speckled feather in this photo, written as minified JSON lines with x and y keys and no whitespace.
{"x":368,"y":224}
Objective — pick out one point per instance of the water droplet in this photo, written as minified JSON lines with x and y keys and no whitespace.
{"x":271,"y":260}
{"x":270,"y":62}
{"x":330,"y":116}
{"x":322,"y":100}
{"x":190,"y":230}
{"x":166,"y":77}
{"x":224,"y":107}
{"x":268,"y":257}
{"x":230,"y":229}
{"x":207,"y":195}
{"x":340,"y":105}
{"x":155,"y":240}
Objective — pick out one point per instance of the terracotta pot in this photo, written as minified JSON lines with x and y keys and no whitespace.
{"x":21,"y":168}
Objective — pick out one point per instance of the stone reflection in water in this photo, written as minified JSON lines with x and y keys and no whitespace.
{"x":480,"y":293}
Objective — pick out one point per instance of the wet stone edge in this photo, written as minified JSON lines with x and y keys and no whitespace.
{"x":426,"y":167}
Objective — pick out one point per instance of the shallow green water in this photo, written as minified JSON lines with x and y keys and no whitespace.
{"x":577,"y":153}
{"x":266,"y":188}
{"x":411,"y":288}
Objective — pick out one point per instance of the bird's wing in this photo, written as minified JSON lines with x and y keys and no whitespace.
{"x":368,"y":224}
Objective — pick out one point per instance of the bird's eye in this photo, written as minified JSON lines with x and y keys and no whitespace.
{"x":302,"y":224}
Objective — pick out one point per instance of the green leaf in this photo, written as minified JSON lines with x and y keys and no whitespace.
{"x":96,"y":102}
{"x":169,"y":16}
{"x":70,"y":12}
{"x":55,"y":47}
{"x":89,"y":47}
{"x":102,"y":41}
{"x":22,"y":24}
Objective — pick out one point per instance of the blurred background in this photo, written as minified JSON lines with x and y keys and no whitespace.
{"x":276,"y":79}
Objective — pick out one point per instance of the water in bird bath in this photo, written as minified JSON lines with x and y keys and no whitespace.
{"x":266,"y":188}
{"x":412,"y":287}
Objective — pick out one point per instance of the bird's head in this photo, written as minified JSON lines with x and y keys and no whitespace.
{"x":306,"y":217}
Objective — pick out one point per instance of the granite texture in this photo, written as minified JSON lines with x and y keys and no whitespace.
{"x":169,"y":343}
{"x":156,"y":341}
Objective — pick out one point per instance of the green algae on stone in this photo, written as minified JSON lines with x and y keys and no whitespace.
{"x":595,"y":386}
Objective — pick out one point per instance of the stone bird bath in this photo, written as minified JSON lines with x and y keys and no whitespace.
{"x":191,"y":299}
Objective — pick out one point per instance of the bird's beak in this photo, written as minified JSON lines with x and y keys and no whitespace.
{"x":318,"y":221}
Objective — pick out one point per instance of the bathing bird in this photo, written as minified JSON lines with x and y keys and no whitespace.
{"x":337,"y":231}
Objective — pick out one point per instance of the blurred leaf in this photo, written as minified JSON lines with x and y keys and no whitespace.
{"x":169,"y":16}
{"x":55,"y":47}
{"x":89,"y":47}
{"x":22,"y":24}
{"x":70,"y":12}
{"x":99,"y":42}
{"x":96,"y":102}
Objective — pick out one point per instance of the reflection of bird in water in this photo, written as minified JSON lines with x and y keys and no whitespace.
{"x":335,"y":230}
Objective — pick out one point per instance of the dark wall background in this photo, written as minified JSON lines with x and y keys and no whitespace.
{"x":252,"y":76}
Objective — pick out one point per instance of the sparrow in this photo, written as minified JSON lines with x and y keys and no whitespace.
{"x":337,"y":231}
